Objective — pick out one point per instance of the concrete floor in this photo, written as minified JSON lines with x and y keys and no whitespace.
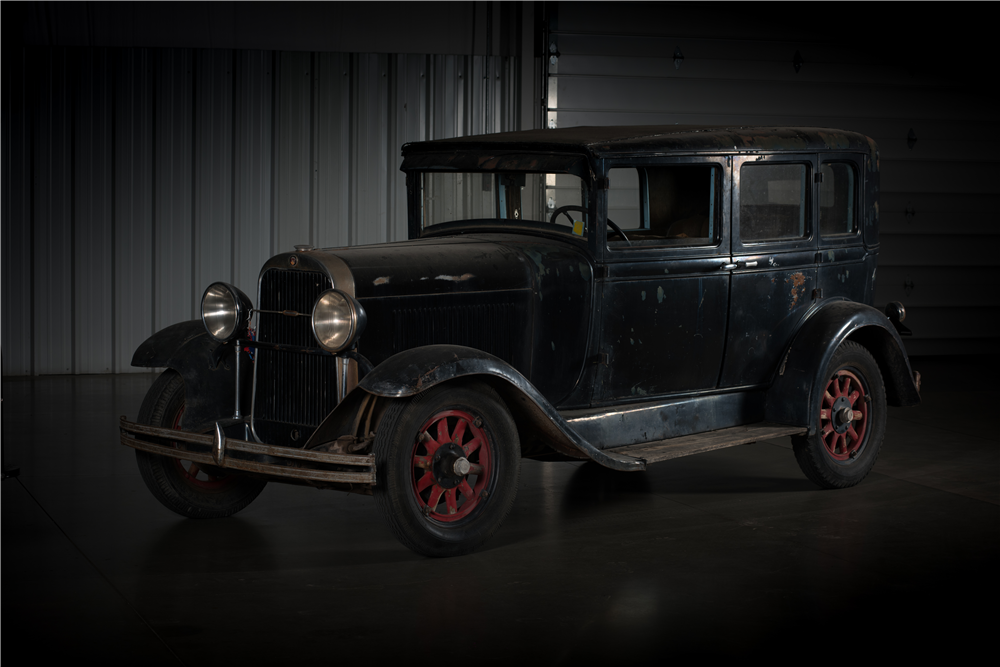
{"x":732,"y":553}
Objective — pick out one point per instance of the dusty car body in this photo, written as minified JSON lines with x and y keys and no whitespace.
{"x":625,"y":295}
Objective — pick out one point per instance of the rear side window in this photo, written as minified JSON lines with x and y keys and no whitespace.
{"x":836,"y":199}
{"x":773,"y":202}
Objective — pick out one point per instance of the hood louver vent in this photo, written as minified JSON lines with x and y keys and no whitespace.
{"x":487,"y":327}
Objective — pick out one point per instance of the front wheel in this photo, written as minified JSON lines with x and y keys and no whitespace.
{"x":191,"y":489}
{"x":850,"y":421}
{"x":448,"y":463}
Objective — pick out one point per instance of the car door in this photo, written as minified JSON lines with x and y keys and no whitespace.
{"x":773,"y":263}
{"x":664,"y":297}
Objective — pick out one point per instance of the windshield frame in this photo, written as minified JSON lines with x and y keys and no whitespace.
{"x":492,"y":162}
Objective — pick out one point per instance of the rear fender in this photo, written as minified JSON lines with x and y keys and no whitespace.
{"x":207,"y":367}
{"x":803,"y":368}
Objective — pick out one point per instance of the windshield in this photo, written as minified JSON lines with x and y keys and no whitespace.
{"x":499,"y":198}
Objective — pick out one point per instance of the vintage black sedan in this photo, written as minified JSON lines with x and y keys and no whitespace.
{"x":624,"y":295}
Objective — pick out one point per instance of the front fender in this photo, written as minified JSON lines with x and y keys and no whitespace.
{"x":803,"y":369}
{"x":416,"y":370}
{"x":161,"y":347}
{"x":207,"y":367}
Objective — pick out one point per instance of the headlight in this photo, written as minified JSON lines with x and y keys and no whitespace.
{"x":337,"y":320}
{"x":225,"y":311}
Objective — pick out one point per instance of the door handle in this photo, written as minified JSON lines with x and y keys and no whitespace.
{"x":738,"y":265}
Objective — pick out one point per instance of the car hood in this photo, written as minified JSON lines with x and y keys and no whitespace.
{"x":463,"y":264}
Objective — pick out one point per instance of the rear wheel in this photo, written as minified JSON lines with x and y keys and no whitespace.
{"x":191,"y":489}
{"x":850,"y":421}
{"x":448,"y":462}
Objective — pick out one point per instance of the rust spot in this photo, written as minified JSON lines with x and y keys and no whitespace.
{"x":382,"y":280}
{"x":797,"y":280}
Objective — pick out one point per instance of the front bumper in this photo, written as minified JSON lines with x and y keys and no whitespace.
{"x":250,"y":457}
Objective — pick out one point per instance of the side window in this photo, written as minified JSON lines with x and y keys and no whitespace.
{"x":773,"y":202}
{"x":836,"y":199}
{"x":665,"y":205}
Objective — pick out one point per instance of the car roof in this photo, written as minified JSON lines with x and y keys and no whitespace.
{"x":606,"y":141}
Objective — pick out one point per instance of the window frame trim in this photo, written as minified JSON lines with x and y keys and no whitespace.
{"x":854,"y":238}
{"x":811,"y":160}
{"x":622,"y":252}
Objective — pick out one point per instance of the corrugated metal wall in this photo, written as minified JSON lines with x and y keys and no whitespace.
{"x":132,"y":178}
{"x":939,"y":201}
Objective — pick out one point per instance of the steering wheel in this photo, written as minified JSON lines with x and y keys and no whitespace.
{"x":565,"y":209}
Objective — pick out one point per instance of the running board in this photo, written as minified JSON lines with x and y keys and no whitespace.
{"x":685,"y":445}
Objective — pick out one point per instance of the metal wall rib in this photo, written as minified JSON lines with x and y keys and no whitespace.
{"x":132,"y":178}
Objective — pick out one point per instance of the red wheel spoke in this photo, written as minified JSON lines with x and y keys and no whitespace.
{"x":827,"y":429}
{"x":451,"y":501}
{"x":475,"y":469}
{"x":430,"y":443}
{"x":847,"y":386}
{"x":853,"y":434}
{"x":193,"y":470}
{"x":435,"y":497}
{"x":423,"y":462}
{"x":466,"y":490}
{"x":824,"y":414}
{"x":425,"y":481}
{"x":854,"y":397}
{"x":827,"y":398}
{"x":842,"y":439}
{"x":456,"y":436}
{"x":472,"y":445}
{"x":442,"y":436}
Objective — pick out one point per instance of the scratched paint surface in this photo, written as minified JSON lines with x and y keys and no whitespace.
{"x":765,"y":309}
{"x":662,"y":335}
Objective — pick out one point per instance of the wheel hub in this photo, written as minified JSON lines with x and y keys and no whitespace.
{"x":843,"y":415}
{"x":449,"y":466}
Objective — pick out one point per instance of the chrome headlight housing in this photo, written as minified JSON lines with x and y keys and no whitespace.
{"x":337,"y":320}
{"x":225,"y":311}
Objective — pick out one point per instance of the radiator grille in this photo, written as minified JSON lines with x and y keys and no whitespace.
{"x":292,"y":387}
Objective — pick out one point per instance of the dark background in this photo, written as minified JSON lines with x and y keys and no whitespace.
{"x":150,"y":148}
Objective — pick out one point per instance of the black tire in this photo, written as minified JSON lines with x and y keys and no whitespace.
{"x":190,"y":489}
{"x":430,"y":508}
{"x":850,"y":421}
